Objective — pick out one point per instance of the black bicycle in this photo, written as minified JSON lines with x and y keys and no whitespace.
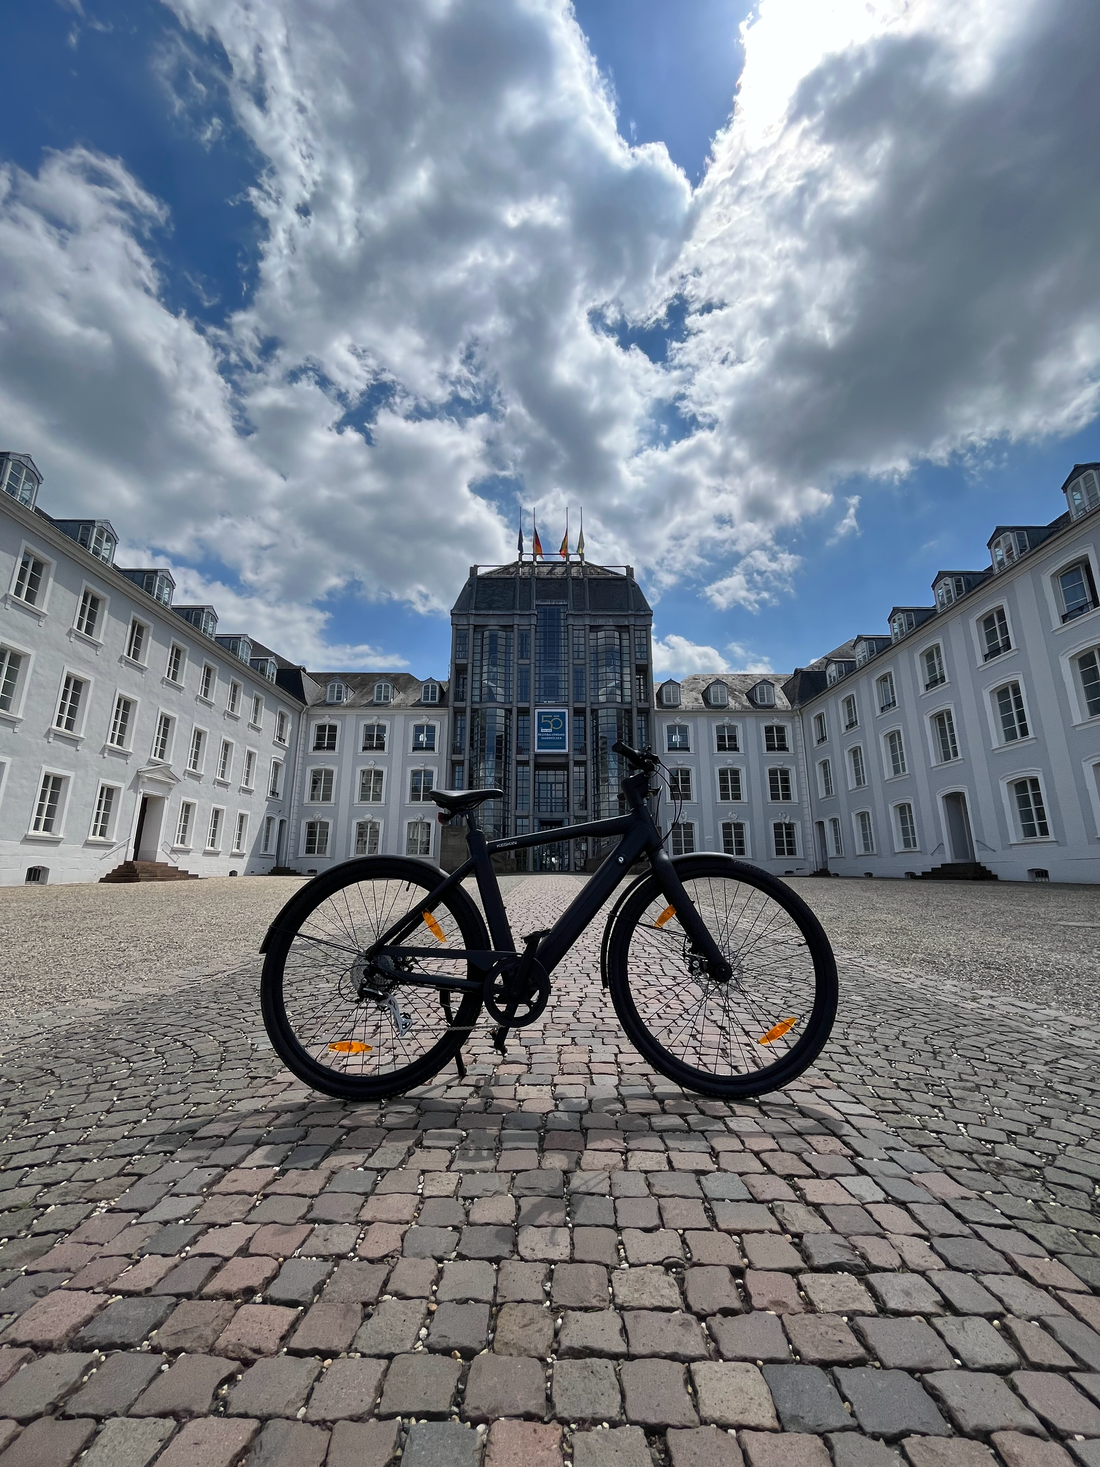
{"x":377,"y":971}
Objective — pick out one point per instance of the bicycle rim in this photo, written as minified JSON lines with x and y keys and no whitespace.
{"x":752,"y":1034}
{"x":321,"y":1026}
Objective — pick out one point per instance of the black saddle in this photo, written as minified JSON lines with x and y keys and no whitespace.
{"x":455,"y":801}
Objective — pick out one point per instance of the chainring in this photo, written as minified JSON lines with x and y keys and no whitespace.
{"x":496,"y":998}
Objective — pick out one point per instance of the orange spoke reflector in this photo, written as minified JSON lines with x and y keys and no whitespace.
{"x":666,"y":916}
{"x":433,"y":926}
{"x":777,"y":1033}
{"x":351,"y":1046}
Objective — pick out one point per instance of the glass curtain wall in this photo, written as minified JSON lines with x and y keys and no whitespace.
{"x":489,"y":765}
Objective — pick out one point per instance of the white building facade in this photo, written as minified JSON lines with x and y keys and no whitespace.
{"x":126,"y":732}
{"x":969,"y":737}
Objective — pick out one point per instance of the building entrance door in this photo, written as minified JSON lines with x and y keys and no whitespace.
{"x":822,"y":848}
{"x":555,"y":857}
{"x":958,"y":826}
{"x":147,"y":835}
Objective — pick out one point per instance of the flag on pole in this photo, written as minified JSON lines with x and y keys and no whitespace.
{"x":580,"y":542}
{"x":536,"y":543}
{"x":564,"y":550}
{"x":519,"y":546}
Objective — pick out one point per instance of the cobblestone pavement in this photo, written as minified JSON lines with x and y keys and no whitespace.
{"x":564,"y":1259}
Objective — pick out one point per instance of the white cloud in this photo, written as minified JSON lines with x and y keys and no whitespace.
{"x":676,"y":656}
{"x":849,"y":525}
{"x":890,"y":260}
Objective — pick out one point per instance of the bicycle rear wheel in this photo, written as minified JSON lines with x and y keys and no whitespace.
{"x":322,"y":1028}
{"x":755,"y":1033}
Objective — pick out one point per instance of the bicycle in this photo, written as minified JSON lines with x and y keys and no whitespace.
{"x":721,"y":976}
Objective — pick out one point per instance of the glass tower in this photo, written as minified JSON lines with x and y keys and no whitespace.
{"x":550,"y":665}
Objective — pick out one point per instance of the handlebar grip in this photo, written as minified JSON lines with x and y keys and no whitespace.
{"x":636,"y":757}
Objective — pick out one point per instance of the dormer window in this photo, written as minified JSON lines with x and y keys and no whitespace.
{"x":336,"y":692}
{"x":429,"y":693}
{"x":1008,"y":548}
{"x":383,"y":692}
{"x":900,"y":623}
{"x":1083,"y":493}
{"x":717,"y":696}
{"x":763,"y":695}
{"x":670,"y":694}
{"x":19,"y":479}
{"x":948,"y":591}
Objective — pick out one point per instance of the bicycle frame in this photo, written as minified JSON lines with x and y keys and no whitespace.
{"x":640,"y":836}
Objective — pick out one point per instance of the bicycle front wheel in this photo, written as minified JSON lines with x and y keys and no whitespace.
{"x":367,"y":1040}
{"x":754,"y":1033}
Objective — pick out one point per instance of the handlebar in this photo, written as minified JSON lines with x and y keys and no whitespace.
{"x":637,"y":758}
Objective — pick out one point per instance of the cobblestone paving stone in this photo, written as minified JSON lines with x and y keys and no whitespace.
{"x":563,"y":1258}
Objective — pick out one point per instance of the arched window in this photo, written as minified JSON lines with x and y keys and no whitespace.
{"x":718,"y":696}
{"x":670,"y":694}
{"x":763,"y":695}
{"x":336,"y":692}
{"x":429,"y":693}
{"x":383,"y":692}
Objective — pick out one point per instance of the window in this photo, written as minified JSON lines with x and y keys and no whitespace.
{"x":121,"y":720}
{"x":866,"y":832}
{"x":763,"y":695}
{"x":197,"y":752}
{"x":718,"y":696}
{"x":1031,"y":810}
{"x":851,"y":713}
{"x":268,"y":843}
{"x":281,"y":722}
{"x":462,"y":645}
{"x":176,"y":658}
{"x":679,"y":784}
{"x":88,"y":613}
{"x":104,"y":812}
{"x":324,"y":738}
{"x":551,"y":791}
{"x":225,"y":759}
{"x":670,"y":695}
{"x":641,"y":685}
{"x":257,"y":716}
{"x":320,"y":786}
{"x":48,"y":804}
{"x":21,"y":484}
{"x":895,"y":753}
{"x":316,"y":838}
{"x":423,"y":736}
{"x":183,"y":826}
{"x":678,"y":737}
{"x":135,"y":640}
{"x":779,"y":784}
{"x":856,"y":765}
{"x":162,"y":739}
{"x":370,"y":786}
{"x":907,"y":828}
{"x":248,"y":778}
{"x":336,"y":692}
{"x":887,"y":697}
{"x":207,"y":682}
{"x":418,"y":838}
{"x":11,"y":664}
{"x":726,"y":740}
{"x":374,"y":738}
{"x":1007,"y":548}
{"x":383,"y":692}
{"x":836,"y":836}
{"x":233,"y":700}
{"x":821,"y":728}
{"x":68,"y":708}
{"x":1010,"y":711}
{"x":729,"y":785}
{"x":1083,"y":494}
{"x":943,"y":730}
{"x":1077,"y":590}
{"x":460,"y":685}
{"x":366,"y":837}
{"x":775,"y":738}
{"x":825,"y":772}
{"x":1088,"y":668}
{"x":241,"y":831}
{"x":682,"y":838}
{"x":995,"y":638}
{"x":429,"y":693}
{"x":733,"y":838}
{"x":458,"y":777}
{"x":932,"y":664}
{"x":580,"y":787}
{"x":523,"y":787}
{"x":420,"y":785}
{"x":785,"y":839}
{"x":29,"y":578}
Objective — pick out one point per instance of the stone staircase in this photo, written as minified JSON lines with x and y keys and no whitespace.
{"x":131,"y":871}
{"x":959,"y":871}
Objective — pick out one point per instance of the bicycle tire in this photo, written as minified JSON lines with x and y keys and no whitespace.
{"x":783,"y":969}
{"x":306,"y":991}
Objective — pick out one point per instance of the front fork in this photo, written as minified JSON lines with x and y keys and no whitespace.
{"x":695,"y":928}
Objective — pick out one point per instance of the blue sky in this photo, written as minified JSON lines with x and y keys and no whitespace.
{"x":310,"y":299}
